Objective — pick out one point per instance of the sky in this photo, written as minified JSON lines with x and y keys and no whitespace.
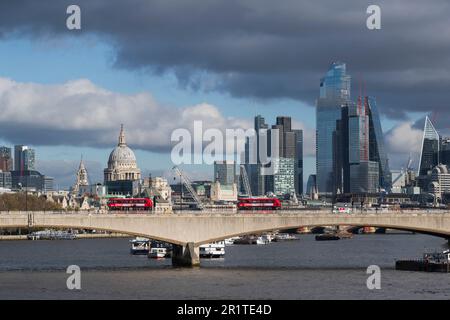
{"x":156,"y":66}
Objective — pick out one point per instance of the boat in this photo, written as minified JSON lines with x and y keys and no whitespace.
{"x":230,"y":241}
{"x":157,"y":253}
{"x":159,"y":249}
{"x":264,"y":239}
{"x":284,"y":237}
{"x":245,"y":240}
{"x":51,"y":235}
{"x":430,"y":262}
{"x":213,"y":250}
{"x":334,"y":236}
{"x":327,"y":237}
{"x":139,"y":246}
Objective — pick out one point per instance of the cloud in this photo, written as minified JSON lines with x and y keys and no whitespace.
{"x":264,"y":49}
{"x":79,"y":113}
{"x":402,"y":141}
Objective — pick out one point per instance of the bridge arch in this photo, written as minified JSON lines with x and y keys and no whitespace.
{"x":281,"y":228}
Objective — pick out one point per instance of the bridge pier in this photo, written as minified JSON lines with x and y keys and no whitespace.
{"x":185,"y":256}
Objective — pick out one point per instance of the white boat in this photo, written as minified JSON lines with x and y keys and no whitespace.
{"x":213,"y":250}
{"x":157,"y":253}
{"x":139,"y":246}
{"x":284,"y":237}
{"x":264,"y":239}
{"x":51,"y":235}
{"x":230,"y":241}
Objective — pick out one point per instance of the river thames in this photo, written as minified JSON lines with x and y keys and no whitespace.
{"x":301,"y":269}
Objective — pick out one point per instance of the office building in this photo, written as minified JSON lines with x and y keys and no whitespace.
{"x":5,"y":159}
{"x":24,"y":158}
{"x":354,"y":167}
{"x":429,"y":155}
{"x":5,"y":180}
{"x":334,"y":93}
{"x":285,"y":179}
{"x":31,"y":180}
{"x":224,"y":172}
{"x":277,"y":171}
{"x":377,"y":151}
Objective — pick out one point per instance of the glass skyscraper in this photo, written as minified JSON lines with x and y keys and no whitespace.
{"x":429,"y":156}
{"x":377,"y":150}
{"x":334,"y":93}
{"x":24,"y":158}
{"x":287,"y":162}
{"x":224,"y":172}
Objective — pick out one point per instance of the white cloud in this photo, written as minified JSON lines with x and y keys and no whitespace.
{"x":401,"y":141}
{"x":81,"y":113}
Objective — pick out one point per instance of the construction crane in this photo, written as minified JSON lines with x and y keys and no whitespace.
{"x":245,"y":181}
{"x":187,"y":183}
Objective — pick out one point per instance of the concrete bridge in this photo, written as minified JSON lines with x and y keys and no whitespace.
{"x":187,"y":231}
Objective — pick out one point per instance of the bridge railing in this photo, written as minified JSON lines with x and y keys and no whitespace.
{"x":240,"y":213}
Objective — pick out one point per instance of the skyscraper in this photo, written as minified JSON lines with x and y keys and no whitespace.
{"x":5,"y":159}
{"x":360,"y":161}
{"x":287,"y":162}
{"x":377,"y":150}
{"x":429,"y":156}
{"x":224,"y":172}
{"x":253,"y":168}
{"x":334,"y":93}
{"x":24,"y":158}
{"x":283,"y":180}
{"x":299,"y":161}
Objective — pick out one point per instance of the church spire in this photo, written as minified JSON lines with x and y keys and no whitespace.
{"x":122,"y":141}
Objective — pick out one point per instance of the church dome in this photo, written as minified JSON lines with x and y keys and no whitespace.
{"x":122,"y":156}
{"x":122,"y":162}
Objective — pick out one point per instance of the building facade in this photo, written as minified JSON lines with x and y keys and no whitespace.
{"x":6,"y":160}
{"x":429,"y":155}
{"x":334,"y":93}
{"x":82,"y":180}
{"x":122,"y":163}
{"x":5,"y":179}
{"x":24,"y":158}
{"x":225,"y":172}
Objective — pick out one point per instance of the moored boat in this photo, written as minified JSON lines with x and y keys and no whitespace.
{"x":212,"y":250}
{"x":139,"y":246}
{"x":431,"y":262}
{"x":157,"y":253}
{"x":51,"y":235}
{"x":327,"y":237}
{"x":159,"y":249}
{"x":284,"y":237}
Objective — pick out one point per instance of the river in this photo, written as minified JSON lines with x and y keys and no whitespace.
{"x":301,"y":269}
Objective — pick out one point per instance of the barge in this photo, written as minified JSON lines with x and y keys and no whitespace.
{"x":431,"y":262}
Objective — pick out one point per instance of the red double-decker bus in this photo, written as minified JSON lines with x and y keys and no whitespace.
{"x":259,"y":204}
{"x":130,"y":204}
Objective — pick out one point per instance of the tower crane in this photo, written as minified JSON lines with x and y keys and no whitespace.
{"x":187,"y":183}
{"x":245,"y":181}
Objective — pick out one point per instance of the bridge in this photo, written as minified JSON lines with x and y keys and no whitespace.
{"x":188,"y":230}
